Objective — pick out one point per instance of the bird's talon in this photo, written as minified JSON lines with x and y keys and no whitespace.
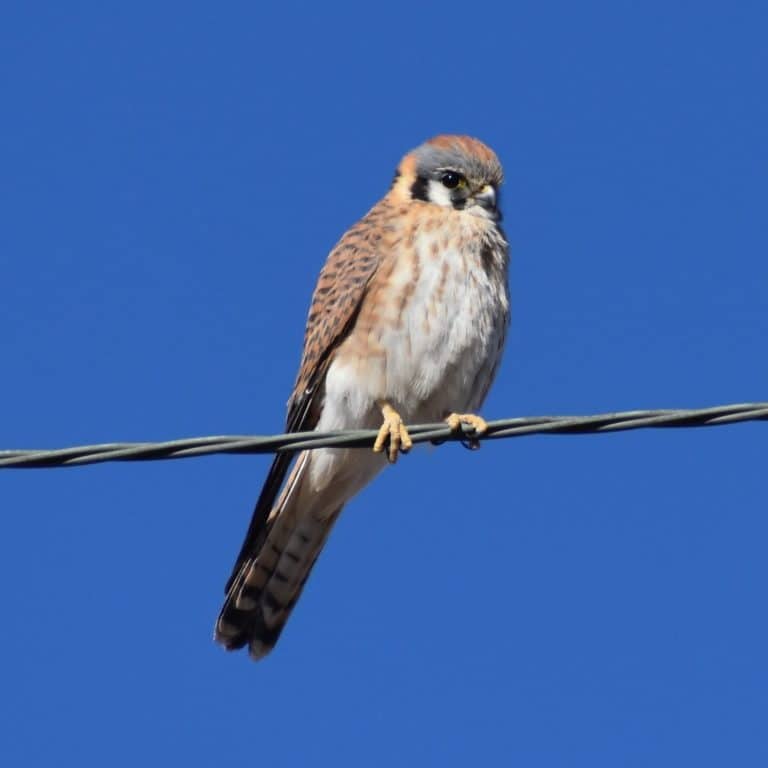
{"x":478,"y":424}
{"x":405,"y":439}
{"x":394,"y":432}
{"x":454,"y":422}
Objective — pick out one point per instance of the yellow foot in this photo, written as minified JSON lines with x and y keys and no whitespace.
{"x":392,"y":431}
{"x":455,"y":420}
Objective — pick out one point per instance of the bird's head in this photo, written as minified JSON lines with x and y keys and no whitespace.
{"x":456,"y":172}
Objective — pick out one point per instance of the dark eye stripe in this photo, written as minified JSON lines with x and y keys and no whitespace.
{"x":420,"y":189}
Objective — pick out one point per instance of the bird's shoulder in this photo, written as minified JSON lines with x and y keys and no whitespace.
{"x":339,"y":292}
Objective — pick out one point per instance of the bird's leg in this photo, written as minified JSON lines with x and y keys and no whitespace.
{"x":393,"y":431}
{"x":480,"y":425}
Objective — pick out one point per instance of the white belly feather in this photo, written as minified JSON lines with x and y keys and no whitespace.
{"x":439,"y":337}
{"x":450,"y":334}
{"x":431,"y":354}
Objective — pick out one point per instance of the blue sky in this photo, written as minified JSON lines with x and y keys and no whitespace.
{"x":173,"y":177}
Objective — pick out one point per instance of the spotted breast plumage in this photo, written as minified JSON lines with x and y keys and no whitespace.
{"x":407,"y":325}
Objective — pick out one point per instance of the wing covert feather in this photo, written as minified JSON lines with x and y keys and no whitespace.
{"x":340,"y":290}
{"x":338,"y":295}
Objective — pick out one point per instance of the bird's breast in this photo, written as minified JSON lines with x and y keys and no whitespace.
{"x":431,"y":326}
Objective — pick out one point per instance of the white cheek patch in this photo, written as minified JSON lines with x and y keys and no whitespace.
{"x":439,"y":194}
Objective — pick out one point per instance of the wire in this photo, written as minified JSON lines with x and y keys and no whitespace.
{"x":420,"y":433}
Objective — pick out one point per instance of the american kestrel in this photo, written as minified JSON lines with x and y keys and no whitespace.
{"x":407,"y":325}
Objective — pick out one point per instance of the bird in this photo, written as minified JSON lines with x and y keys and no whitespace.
{"x":407,"y":324}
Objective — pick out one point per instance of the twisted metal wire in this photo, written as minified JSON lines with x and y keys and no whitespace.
{"x":364,"y":438}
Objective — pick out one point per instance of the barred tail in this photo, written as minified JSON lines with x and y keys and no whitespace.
{"x":270,"y":577}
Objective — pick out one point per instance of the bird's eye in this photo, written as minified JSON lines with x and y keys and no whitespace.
{"x":451,"y":180}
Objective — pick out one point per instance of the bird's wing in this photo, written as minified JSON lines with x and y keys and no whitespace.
{"x":338,"y":295}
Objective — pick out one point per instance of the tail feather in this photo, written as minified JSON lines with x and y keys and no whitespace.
{"x":270,"y":578}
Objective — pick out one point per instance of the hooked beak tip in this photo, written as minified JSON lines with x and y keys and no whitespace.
{"x":486,"y":199}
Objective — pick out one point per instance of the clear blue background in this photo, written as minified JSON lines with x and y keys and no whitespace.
{"x":172,"y":178}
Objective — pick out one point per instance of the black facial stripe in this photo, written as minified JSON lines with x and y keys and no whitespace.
{"x":420,"y":189}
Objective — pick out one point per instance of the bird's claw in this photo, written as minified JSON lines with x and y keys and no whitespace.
{"x":393,"y":434}
{"x":478,"y":423}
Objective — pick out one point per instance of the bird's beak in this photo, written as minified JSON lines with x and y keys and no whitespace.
{"x":486,"y":199}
